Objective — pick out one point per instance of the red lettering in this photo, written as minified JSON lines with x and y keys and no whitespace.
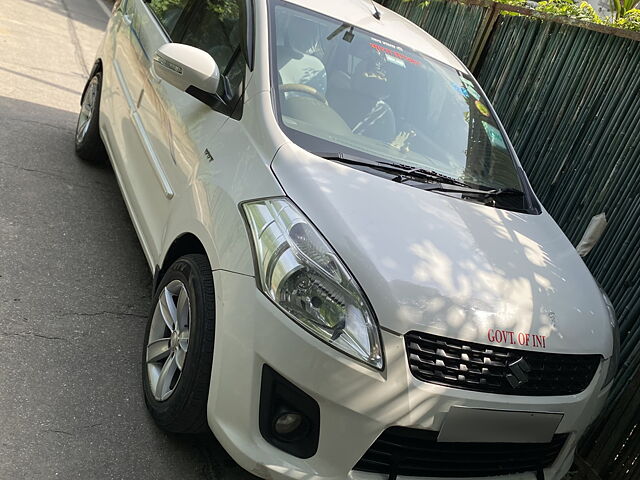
{"x":513,"y":338}
{"x":380,"y":48}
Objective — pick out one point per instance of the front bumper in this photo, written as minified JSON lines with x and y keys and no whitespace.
{"x":356,"y":403}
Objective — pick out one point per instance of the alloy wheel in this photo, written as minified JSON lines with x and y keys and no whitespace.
{"x":168,"y":340}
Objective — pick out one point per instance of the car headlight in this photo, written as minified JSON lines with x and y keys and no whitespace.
{"x":615,"y":357}
{"x":303,"y":276}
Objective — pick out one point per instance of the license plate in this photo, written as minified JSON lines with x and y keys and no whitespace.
{"x":476,"y":425}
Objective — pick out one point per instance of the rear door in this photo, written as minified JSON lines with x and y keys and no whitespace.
{"x":146,"y":138}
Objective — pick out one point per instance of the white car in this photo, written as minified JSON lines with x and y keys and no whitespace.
{"x":353,"y":278}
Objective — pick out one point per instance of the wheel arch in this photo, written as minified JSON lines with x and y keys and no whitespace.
{"x":185,"y":244}
{"x":97,"y":67}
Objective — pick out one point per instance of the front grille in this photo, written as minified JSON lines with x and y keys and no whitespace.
{"x":487,"y":368}
{"x":416,"y":453}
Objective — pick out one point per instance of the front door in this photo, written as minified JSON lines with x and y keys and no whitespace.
{"x":177,"y":126}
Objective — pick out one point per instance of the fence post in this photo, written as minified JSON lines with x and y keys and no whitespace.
{"x":484,"y":34}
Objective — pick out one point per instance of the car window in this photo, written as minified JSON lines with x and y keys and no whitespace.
{"x":168,"y":12}
{"x":215,"y":26}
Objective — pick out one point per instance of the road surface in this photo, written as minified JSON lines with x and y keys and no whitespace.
{"x":74,"y":285}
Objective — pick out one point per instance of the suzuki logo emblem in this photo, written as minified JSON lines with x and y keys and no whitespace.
{"x":518,"y":373}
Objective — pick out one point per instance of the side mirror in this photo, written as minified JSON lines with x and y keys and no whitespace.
{"x":187,"y":68}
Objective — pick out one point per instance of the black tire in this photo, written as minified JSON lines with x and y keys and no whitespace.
{"x":89,"y":146}
{"x":185,"y":411}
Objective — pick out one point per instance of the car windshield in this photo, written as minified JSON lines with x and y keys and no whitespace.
{"x":343,"y":89}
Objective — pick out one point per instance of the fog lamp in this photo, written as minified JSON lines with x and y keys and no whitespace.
{"x":289,"y":418}
{"x":287,"y":423}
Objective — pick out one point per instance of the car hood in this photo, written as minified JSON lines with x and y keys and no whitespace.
{"x":442,"y":265}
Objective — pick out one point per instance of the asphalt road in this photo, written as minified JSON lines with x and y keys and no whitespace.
{"x":74,"y":285}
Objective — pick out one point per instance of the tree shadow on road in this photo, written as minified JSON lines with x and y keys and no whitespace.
{"x":64,"y":219}
{"x":30,"y":132}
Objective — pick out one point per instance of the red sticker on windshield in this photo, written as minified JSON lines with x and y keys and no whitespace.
{"x":396,"y":54}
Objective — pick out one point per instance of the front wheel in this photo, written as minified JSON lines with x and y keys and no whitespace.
{"x":89,"y":145}
{"x":178,"y":347}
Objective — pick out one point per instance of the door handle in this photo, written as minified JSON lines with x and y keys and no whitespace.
{"x":127,"y":20}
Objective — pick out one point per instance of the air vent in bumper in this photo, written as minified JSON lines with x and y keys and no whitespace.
{"x":416,"y":453}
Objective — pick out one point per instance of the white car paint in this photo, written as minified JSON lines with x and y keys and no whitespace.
{"x":425,"y":261}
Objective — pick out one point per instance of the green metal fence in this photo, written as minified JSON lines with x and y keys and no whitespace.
{"x":454,"y":24}
{"x":568,"y":94}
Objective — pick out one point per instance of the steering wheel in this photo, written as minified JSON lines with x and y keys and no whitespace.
{"x":301,"y":88}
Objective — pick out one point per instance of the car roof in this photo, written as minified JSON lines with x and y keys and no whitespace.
{"x":391,"y":25}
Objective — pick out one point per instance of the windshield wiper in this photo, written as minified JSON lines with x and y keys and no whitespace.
{"x":432,"y":180}
{"x":403,"y":172}
{"x":496,"y":192}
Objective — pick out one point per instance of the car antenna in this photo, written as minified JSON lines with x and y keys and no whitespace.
{"x":376,"y":13}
